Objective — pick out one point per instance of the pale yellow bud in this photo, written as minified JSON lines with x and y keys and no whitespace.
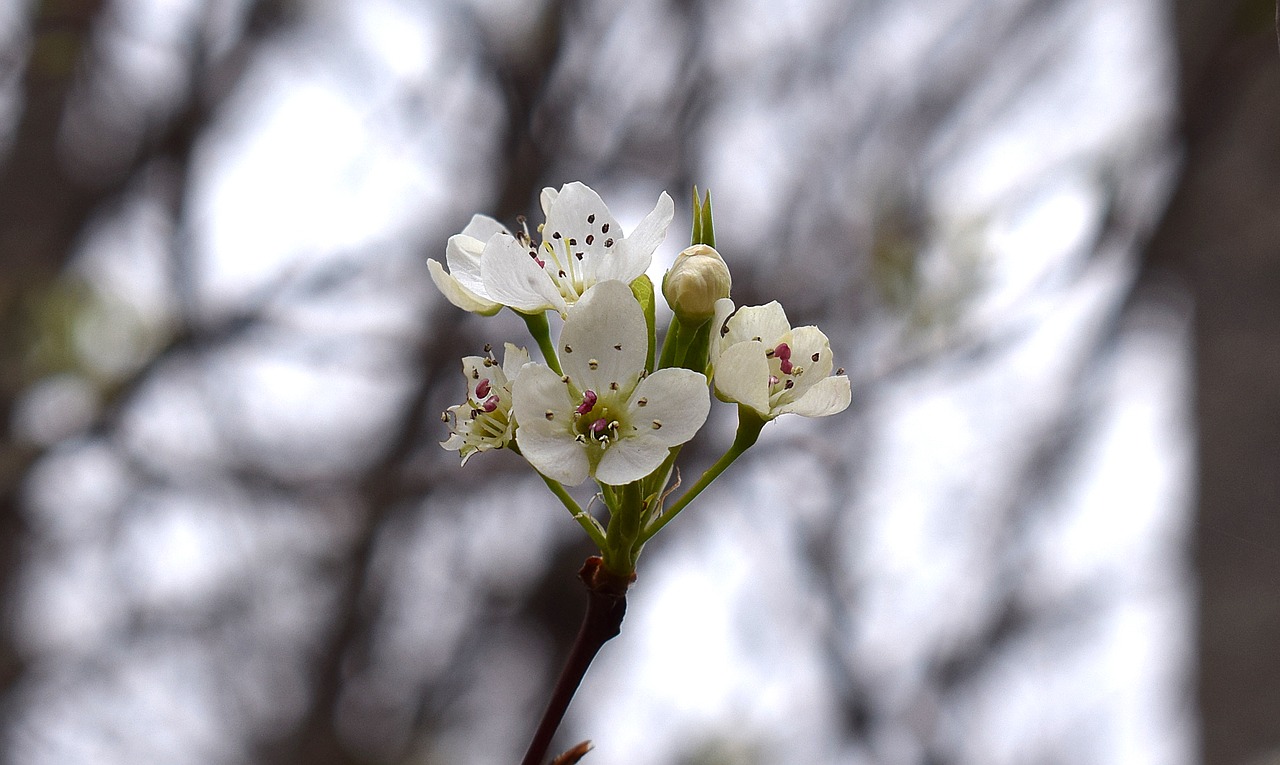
{"x":698,"y":278}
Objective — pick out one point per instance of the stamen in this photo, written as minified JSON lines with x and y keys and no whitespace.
{"x":657,"y":424}
{"x":591,"y":218}
{"x":482,"y":388}
{"x":591,"y":238}
{"x":783,"y":350}
{"x":840,"y":371}
{"x":642,"y":402}
{"x":786,"y":366}
{"x":599,"y":426}
{"x":773,"y":380}
{"x":490,"y":403}
{"x":593,"y":363}
{"x":617,"y":346}
{"x":604,"y":230}
{"x":608,"y":242}
{"x":550,"y":415}
{"x":567,"y":349}
{"x":814,"y":357}
{"x":589,"y":399}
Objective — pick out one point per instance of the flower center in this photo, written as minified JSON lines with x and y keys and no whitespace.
{"x":782,"y":372}
{"x":595,"y":422}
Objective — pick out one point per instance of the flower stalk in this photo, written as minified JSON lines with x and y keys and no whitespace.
{"x":606,"y":607}
{"x":749,"y":426}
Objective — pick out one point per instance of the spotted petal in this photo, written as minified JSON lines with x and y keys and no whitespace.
{"x":547,"y":443}
{"x":605,"y":340}
{"x":675,"y":405}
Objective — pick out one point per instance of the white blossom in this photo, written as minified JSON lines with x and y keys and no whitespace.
{"x":604,"y":417}
{"x":484,"y":421}
{"x":761,"y":362}
{"x":580,"y":245}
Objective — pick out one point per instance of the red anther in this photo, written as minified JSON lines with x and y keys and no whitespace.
{"x":773,"y":379}
{"x":588,"y":402}
{"x":783,"y":351}
{"x":490,"y":403}
{"x":599,"y":426}
{"x":482,"y":388}
{"x":785,"y":366}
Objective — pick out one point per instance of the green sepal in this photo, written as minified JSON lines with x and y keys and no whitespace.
{"x":704,"y":231}
{"x":642,"y":288}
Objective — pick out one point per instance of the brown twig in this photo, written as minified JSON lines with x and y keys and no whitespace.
{"x":606,"y":605}
{"x":576,"y":753}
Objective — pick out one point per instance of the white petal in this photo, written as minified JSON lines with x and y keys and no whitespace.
{"x":719,"y":340}
{"x":514,"y":278}
{"x":649,"y":233}
{"x":548,"y":445}
{"x":768,"y":323}
{"x":558,"y":458}
{"x":806,"y":342}
{"x":742,"y":375}
{"x":536,"y":390}
{"x":606,"y":326}
{"x":474,"y":370}
{"x":462,"y":254}
{"x":459,"y":295}
{"x":676,"y":400}
{"x":513,"y":359}
{"x":547,"y":198}
{"x":481,"y":227}
{"x":631,"y":459}
{"x":829,"y":396}
{"x":583,"y":233}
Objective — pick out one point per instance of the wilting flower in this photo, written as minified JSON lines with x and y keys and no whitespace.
{"x":484,"y":421}
{"x":761,"y":362}
{"x":580,"y":245}
{"x":604,"y":417}
{"x":697,"y":279}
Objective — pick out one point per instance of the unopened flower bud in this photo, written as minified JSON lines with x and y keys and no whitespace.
{"x":698,"y":278}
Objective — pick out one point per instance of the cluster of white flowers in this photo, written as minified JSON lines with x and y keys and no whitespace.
{"x":598,"y":406}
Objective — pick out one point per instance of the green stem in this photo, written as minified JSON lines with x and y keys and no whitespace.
{"x":625,"y":525}
{"x":584,"y":519}
{"x":540,"y":329}
{"x":749,"y":426}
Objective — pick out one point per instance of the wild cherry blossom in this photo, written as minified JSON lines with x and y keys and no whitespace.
{"x":604,"y":417}
{"x":484,"y":421}
{"x":581,"y":244}
{"x":761,"y":362}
